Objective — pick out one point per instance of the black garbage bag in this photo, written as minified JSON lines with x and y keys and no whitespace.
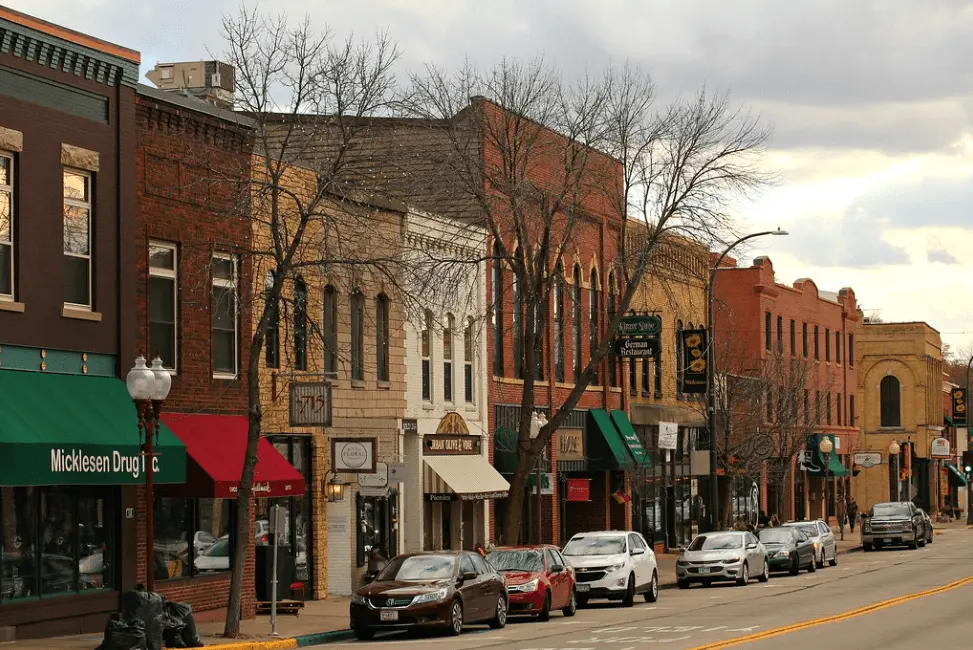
{"x":124,"y":634}
{"x":148,"y":607}
{"x":180,"y":627}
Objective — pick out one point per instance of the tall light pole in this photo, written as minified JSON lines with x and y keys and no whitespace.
{"x":711,"y":377}
{"x":966,"y":402}
{"x":826,"y":447}
{"x":537,"y":421}
{"x":894,"y":453}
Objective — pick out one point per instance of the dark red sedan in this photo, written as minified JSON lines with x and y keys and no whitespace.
{"x":538,"y":580}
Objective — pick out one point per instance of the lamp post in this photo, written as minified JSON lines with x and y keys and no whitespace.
{"x":969,"y":484}
{"x":148,"y":388}
{"x":537,"y":421}
{"x":711,"y":376}
{"x":826,"y":447}
{"x":894,"y":453}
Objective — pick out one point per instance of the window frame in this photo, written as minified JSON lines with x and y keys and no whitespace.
{"x":382,"y":338}
{"x":827,"y":345}
{"x":356,"y":305}
{"x":166,"y":274}
{"x":448,"y":346}
{"x":232,"y":284}
{"x":612,"y":306}
{"x":497,"y":290}
{"x":517,"y":323}
{"x":886,"y":384}
{"x":425,"y":353}
{"x":90,"y":206}
{"x":837,"y":346}
{"x":804,"y":342}
{"x":11,"y":189}
{"x":469,"y":387}
{"x":768,"y":334}
{"x":851,"y":351}
{"x":576,"y":320}
{"x":329,"y":317}
{"x":780,"y":333}
{"x":559,"y":323}
{"x":300,"y":324}
{"x":272,"y":334}
{"x":594,"y":306}
{"x":817,"y":346}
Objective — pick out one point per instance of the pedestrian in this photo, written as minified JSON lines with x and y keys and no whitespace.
{"x":479,"y":549}
{"x":762,"y":520}
{"x":852,"y":512}
{"x":774,"y":521}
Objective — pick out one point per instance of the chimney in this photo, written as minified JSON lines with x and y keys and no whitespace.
{"x":210,"y":81}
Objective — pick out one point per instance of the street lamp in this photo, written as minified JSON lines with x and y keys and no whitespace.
{"x":537,"y":421}
{"x":826,"y":447}
{"x":711,"y":375}
{"x":894,"y":454}
{"x":148,"y":388}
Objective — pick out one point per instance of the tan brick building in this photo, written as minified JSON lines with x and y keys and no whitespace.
{"x":900,"y":368}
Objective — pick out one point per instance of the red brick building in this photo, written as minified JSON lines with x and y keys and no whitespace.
{"x":760,"y":323}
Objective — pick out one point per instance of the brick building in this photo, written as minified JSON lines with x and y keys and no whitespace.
{"x":810,"y":337}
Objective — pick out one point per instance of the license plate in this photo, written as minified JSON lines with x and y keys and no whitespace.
{"x":887,"y":540}
{"x":387,"y":615}
{"x":703,"y":569}
{"x":582,"y":588}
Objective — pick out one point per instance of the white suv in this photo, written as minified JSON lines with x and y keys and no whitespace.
{"x":613,"y":564}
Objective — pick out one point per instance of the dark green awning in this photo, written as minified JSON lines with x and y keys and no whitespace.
{"x":948,"y":421}
{"x":956,"y":476}
{"x":816,"y":466}
{"x":631,"y":439}
{"x":613,"y":453}
{"x":76,"y":430}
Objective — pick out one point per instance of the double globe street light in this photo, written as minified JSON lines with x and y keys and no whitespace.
{"x":148,"y":388}
{"x":826,"y":447}
{"x":894,"y":450}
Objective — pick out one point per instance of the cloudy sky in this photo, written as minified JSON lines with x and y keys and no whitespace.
{"x":871,"y":103}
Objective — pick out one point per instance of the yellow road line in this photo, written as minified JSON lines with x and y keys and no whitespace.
{"x":868,"y":609}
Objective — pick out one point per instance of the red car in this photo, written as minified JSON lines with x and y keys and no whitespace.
{"x":538,"y":580}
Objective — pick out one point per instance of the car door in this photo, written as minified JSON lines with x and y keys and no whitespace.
{"x":568,"y":574}
{"x":827,"y":540}
{"x":556,"y":578}
{"x":755,"y":556}
{"x":637,"y":552}
{"x":471,"y":590}
{"x":492,"y":587}
{"x":648,"y":557}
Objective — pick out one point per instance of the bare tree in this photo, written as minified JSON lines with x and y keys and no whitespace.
{"x":540,"y":161}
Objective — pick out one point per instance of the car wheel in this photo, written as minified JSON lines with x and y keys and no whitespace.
{"x":744,"y":578}
{"x":364,"y":633}
{"x":456,"y":618}
{"x":812,"y":566}
{"x":932,"y":534}
{"x":682,"y":584}
{"x":834,"y":557}
{"x":867,"y":548}
{"x":500,"y":615}
{"x":572,"y":607}
{"x":820,"y":560}
{"x":629,"y":599}
{"x":796,"y":565}
{"x":765,"y":575}
{"x":652,"y":594}
{"x":922,"y":540}
{"x":582,"y":601}
{"x":914,"y":544}
{"x":545,"y":614}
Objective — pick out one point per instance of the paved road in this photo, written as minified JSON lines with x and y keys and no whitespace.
{"x":890,"y":599}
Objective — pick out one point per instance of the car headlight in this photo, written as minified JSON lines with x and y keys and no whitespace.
{"x":432,"y":596}
{"x":682,"y":562}
{"x":357,"y":600}
{"x":616,"y":567}
{"x":526,"y":587}
{"x":783,"y":553}
{"x":732,"y":560}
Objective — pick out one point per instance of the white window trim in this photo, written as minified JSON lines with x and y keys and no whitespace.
{"x":9,"y":188}
{"x":425,"y":330}
{"x":469,"y":363}
{"x":229,"y":284}
{"x":91,"y":215}
{"x":449,"y":335}
{"x":169,"y":274}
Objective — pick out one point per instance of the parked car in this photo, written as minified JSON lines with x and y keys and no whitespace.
{"x":894,"y":522}
{"x":538,"y":579}
{"x":436,"y":589}
{"x":825,"y":545}
{"x":614,"y":565}
{"x":788,"y":549}
{"x":215,"y":558}
{"x":721,"y":557}
{"x":927,"y":526}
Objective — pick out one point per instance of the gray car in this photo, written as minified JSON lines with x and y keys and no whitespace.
{"x":825,"y":545}
{"x":722,"y":557}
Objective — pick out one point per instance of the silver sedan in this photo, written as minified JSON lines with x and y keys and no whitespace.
{"x":722,"y":557}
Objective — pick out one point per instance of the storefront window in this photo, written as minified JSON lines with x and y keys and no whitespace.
{"x":56,"y":541}
{"x":297,"y":451}
{"x":377,"y":526}
{"x":207,"y":522}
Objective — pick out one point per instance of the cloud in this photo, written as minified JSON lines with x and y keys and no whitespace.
{"x":943,"y":257}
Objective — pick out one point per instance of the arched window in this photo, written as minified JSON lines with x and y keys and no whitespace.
{"x":272,"y":335}
{"x":382,"y":337}
{"x":518,"y":322}
{"x":330,"y":333}
{"x":559,"y":322}
{"x":468,"y":361}
{"x":594,"y":306}
{"x":576,"y":317}
{"x":357,"y":336}
{"x":448,"y":330}
{"x":890,"y":401}
{"x":497,"y":290}
{"x":612,"y":361}
{"x":426,"y":336}
{"x":300,"y":324}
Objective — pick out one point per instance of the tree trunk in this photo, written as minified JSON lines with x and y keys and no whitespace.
{"x":513,"y":522}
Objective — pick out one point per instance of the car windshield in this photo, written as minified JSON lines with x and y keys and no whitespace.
{"x":595,"y":546}
{"x":716,"y":543}
{"x":419,"y":567}
{"x":776,"y":536}
{"x":808,"y":529}
{"x":890,"y":510}
{"x":516,"y":560}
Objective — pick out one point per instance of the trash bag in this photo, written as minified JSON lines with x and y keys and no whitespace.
{"x":148,"y":607}
{"x":180,"y":627}
{"x":124,"y":634}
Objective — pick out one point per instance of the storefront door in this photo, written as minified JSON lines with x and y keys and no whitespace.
{"x":297,"y":535}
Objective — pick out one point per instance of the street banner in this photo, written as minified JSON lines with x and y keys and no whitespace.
{"x":959,"y":407}
{"x":694,"y":361}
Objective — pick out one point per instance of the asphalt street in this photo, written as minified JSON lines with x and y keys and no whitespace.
{"x":890,"y":599}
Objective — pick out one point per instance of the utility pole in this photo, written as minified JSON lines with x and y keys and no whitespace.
{"x":966,"y":416}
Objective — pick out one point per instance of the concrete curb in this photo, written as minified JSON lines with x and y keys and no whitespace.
{"x":321,"y":638}
{"x":267,"y":644}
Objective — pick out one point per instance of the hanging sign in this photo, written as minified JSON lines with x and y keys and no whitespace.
{"x":441,"y":445}
{"x":694,"y":361}
{"x":579,"y":489}
{"x":939,"y":448}
{"x":355,"y":455}
{"x":668,"y":435}
{"x":959,"y":407}
{"x":570,"y":445}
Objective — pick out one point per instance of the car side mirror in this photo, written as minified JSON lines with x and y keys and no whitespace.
{"x":556,"y":568}
{"x":683,"y":549}
{"x":637,"y":551}
{"x":750,"y":547}
{"x":468,"y":575}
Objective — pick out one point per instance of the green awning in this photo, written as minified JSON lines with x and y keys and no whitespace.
{"x":610,"y":452}
{"x":835,"y":468}
{"x":956,"y":476}
{"x":624,"y":427}
{"x":816,"y":466}
{"x":76,"y":430}
{"x":948,"y":421}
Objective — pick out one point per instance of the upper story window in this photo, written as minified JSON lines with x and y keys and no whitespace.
{"x":426,"y":336}
{"x":357,"y":336}
{"x":817,"y":349}
{"x":576,"y":313}
{"x":497,"y":289}
{"x":518,"y":323}
{"x":593,"y":309}
{"x":827,"y":412}
{"x":163,"y":302}
{"x":767,"y":327}
{"x":827,"y":344}
{"x":330,"y":327}
{"x":804,"y":339}
{"x":225,"y":324}
{"x":382,"y":337}
{"x":272,"y":335}
{"x":300,"y":324}
{"x":837,"y":347}
{"x":890,"y":400}
{"x":448,"y":358}
{"x":851,"y":349}
{"x":559,"y":323}
{"x":6,"y":225}
{"x":77,"y":238}
{"x":780,"y":333}
{"x":793,"y":339}
{"x":468,"y":362}
{"x":612,"y":359}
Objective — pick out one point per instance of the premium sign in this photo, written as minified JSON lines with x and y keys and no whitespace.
{"x":648,"y":325}
{"x":959,"y":407}
{"x":472,"y":496}
{"x":570,"y":444}
{"x":450,"y":445}
{"x":355,"y":455}
{"x":579,"y":489}
{"x":310,"y":404}
{"x":939,"y":448}
{"x":694,"y":361}
{"x":631,"y":347}
{"x":90,"y":464}
{"x":76,"y":461}
{"x":868,"y":459}
{"x":638,"y":336}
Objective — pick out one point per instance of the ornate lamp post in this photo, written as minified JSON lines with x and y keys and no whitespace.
{"x":894,"y":472}
{"x":148,"y":388}
{"x":537,"y":421}
{"x":826,"y":447}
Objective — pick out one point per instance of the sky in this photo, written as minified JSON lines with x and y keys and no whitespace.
{"x":871,"y":104}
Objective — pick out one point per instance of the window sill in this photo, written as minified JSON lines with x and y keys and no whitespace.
{"x":80,"y":314}
{"x":217,"y":376}
{"x":385,"y":385}
{"x":471,"y":408}
{"x":358,"y":383}
{"x":428,"y":406}
{"x":11,"y":305}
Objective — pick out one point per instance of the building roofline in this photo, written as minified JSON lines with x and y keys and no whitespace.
{"x":193,"y":104}
{"x":901,"y":323}
{"x":70,"y":35}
